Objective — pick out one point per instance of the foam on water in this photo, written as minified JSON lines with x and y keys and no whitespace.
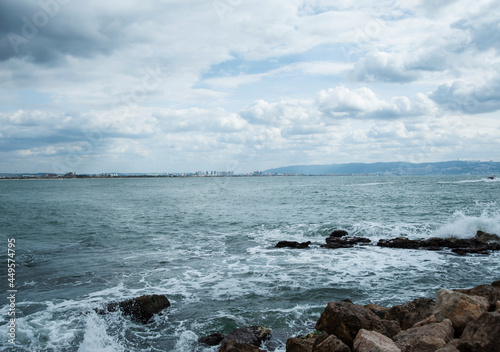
{"x":96,"y":338}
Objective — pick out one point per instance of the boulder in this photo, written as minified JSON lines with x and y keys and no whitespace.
{"x":490,"y":293}
{"x":482,"y":334}
{"x":344,"y":320}
{"x":372,"y":341}
{"x":427,"y":338}
{"x":292,"y":244}
{"x":484,"y":237}
{"x":497,"y":307}
{"x":412,"y":312}
{"x":330,"y":344}
{"x":212,"y":339}
{"x":253,"y":335}
{"x":458,"y":307}
{"x":339,"y":233}
{"x":426,"y":321}
{"x":448,"y":348}
{"x":140,"y":309}
{"x":233,"y":346}
{"x":304,"y":343}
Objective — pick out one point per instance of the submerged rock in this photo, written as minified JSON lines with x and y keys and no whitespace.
{"x":140,"y":309}
{"x":333,"y":242}
{"x":292,"y":244}
{"x":212,"y":339}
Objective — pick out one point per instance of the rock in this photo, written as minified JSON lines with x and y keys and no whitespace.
{"x":412,"y":312}
{"x":458,"y":246}
{"x":481,"y":335}
{"x":372,"y":341}
{"x":490,"y":293}
{"x":380,"y":311}
{"x":399,"y":242}
{"x":331,"y":344}
{"x":448,"y":348}
{"x":474,"y":250}
{"x":292,"y":244}
{"x":458,"y":307}
{"x":140,"y":309}
{"x":233,"y":346}
{"x":426,"y":321}
{"x":253,"y":335}
{"x":344,"y":242}
{"x":299,"y":344}
{"x":344,"y":320}
{"x":427,"y":338}
{"x":497,"y":308}
{"x":212,"y":339}
{"x":339,"y":233}
{"x":484,"y":237}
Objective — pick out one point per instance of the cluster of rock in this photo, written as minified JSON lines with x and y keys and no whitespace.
{"x":482,"y":243}
{"x":457,"y":321}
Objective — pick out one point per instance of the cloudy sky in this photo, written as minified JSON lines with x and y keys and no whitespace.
{"x":241,"y":85}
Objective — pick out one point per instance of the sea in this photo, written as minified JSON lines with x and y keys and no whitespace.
{"x":208,"y":244}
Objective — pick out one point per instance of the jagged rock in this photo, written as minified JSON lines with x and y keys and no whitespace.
{"x":427,"y":338}
{"x":497,"y":307}
{"x":412,"y":312}
{"x":233,"y":346}
{"x":253,"y":335}
{"x":481,"y":335}
{"x":339,"y":233}
{"x":458,"y":307}
{"x":490,"y":293}
{"x":303,"y":343}
{"x":212,"y":339}
{"x":372,"y":341}
{"x":484,"y":237}
{"x":331,"y":344}
{"x":292,"y":244}
{"x":380,"y":311}
{"x":344,"y":320}
{"x":344,"y":242}
{"x":140,"y":309}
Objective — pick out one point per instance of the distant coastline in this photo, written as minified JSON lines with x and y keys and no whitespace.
{"x":458,"y":167}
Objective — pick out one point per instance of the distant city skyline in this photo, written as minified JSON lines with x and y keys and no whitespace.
{"x":237,"y":86}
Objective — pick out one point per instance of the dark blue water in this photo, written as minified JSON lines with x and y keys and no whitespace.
{"x":208,"y":244}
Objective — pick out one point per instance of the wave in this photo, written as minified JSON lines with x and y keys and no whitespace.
{"x":481,"y":180}
{"x":464,"y":225}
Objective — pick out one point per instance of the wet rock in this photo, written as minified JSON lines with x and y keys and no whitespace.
{"x":344,"y":320}
{"x":331,"y":344}
{"x":140,"y":309}
{"x":412,"y":312}
{"x":212,"y":339}
{"x":339,"y":233}
{"x":380,"y":311}
{"x":458,"y":307}
{"x":427,"y":338}
{"x":481,"y":335}
{"x":292,"y":244}
{"x":399,"y":242}
{"x":484,"y":237}
{"x":253,"y":335}
{"x":233,"y":346}
{"x":372,"y":341}
{"x":344,"y":242}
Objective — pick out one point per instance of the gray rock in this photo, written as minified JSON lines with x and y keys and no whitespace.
{"x":372,"y":341}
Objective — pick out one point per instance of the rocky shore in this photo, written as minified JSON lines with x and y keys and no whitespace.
{"x":458,"y":320}
{"x":481,"y":243}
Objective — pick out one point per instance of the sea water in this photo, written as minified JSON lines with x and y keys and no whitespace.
{"x":207,"y":243}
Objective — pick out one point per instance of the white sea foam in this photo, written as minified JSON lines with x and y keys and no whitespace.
{"x":96,"y":337}
{"x":462,"y":225}
{"x":480,"y":180}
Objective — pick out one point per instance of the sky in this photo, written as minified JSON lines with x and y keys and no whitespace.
{"x":242,"y":85}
